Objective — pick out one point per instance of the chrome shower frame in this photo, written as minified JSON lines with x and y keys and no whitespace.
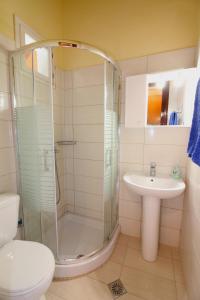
{"x":64,"y":43}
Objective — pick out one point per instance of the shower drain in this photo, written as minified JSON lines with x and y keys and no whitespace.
{"x":117,"y":289}
{"x":80,"y":255}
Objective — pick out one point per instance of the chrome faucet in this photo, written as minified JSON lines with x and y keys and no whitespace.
{"x":152,"y":172}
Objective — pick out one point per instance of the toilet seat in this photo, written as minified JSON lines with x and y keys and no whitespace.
{"x":24,"y":266}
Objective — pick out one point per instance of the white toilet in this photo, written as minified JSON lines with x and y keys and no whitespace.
{"x":26,"y":268}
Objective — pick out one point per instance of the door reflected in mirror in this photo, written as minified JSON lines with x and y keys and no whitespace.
{"x":171,"y":97}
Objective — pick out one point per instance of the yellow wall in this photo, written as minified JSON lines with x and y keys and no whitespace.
{"x":132,"y":28}
{"x":44,"y":16}
{"x":123,"y":28}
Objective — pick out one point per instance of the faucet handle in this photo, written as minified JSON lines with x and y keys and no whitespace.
{"x":153,"y":164}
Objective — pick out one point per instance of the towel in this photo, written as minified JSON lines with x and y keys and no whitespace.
{"x":194,"y":140}
{"x":173,"y":119}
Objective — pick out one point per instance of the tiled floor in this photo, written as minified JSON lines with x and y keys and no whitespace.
{"x":161,"y":280}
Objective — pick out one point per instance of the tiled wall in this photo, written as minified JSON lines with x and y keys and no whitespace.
{"x":78,"y":110}
{"x":7,"y":156}
{"x":140,"y":146}
{"x":190,"y":242}
{"x":79,"y":101}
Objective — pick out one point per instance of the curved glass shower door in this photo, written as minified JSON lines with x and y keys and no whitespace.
{"x":66,"y":112}
{"x":111,"y":149}
{"x":32,"y":108}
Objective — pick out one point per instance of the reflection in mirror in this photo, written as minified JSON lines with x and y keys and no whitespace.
{"x":171,"y":97}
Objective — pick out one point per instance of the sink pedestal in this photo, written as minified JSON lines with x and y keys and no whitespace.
{"x":150,"y":227}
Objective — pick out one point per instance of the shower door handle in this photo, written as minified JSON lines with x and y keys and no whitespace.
{"x":45,"y":155}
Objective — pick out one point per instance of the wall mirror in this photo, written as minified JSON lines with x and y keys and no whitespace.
{"x":170,"y":97}
{"x":160,"y":99}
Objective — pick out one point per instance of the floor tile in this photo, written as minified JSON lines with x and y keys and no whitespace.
{"x":129,"y":297}
{"x":161,"y":267}
{"x":134,"y":243}
{"x":181,"y":292}
{"x":178,"y":271}
{"x":123,"y":239}
{"x":176,"y":253}
{"x":82,"y":288}
{"x":50,"y":296}
{"x":165,"y":251}
{"x":148,"y":286}
{"x":118,"y":254}
{"x":109,"y":272}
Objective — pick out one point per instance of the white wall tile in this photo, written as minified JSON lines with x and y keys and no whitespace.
{"x":89,"y":201}
{"x":4,"y":78}
{"x":3,"y":56}
{"x":68,"y":115}
{"x":166,"y":135}
{"x":133,"y":66}
{"x":90,"y":95}
{"x":91,"y":168}
{"x":68,"y":133}
{"x":7,"y":156}
{"x":68,"y":80}
{"x":169,"y":236}
{"x":68,"y":97}
{"x":59,"y":97}
{"x":176,"y":203}
{"x":6,"y":137}
{"x":68,"y":165}
{"x":60,"y":78}
{"x":58,"y":112}
{"x":5,"y":106}
{"x":8,"y":183}
{"x":93,"y":151}
{"x":89,"y":133}
{"x":128,"y":167}
{"x":131,"y":135}
{"x":171,"y":218}
{"x":69,"y":197}
{"x":130,"y":210}
{"x":68,"y":181}
{"x":183,"y":58}
{"x":88,"y":114}
{"x":132,"y":153}
{"x":129,"y":227}
{"x":165,"y":155}
{"x":88,"y":213}
{"x":126,"y":194}
{"x":89,"y":185}
{"x":7,"y":161}
{"x":88,"y":76}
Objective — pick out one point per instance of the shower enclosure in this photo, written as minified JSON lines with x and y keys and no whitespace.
{"x":66,"y":117}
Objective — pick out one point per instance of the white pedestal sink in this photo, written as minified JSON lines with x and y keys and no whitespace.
{"x":152,"y":189}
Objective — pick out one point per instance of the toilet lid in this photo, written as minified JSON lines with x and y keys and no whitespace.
{"x":23,"y":265}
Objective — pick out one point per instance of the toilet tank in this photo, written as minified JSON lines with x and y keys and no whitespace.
{"x":9,"y":208}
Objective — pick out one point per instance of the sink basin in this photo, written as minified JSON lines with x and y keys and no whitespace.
{"x":152,"y":189}
{"x":162,"y":187}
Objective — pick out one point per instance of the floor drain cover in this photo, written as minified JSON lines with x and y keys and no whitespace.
{"x":80,"y":255}
{"x":117,"y":289}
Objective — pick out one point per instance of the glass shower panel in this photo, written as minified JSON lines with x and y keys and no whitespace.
{"x":32,"y":105}
{"x":111,"y":115}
